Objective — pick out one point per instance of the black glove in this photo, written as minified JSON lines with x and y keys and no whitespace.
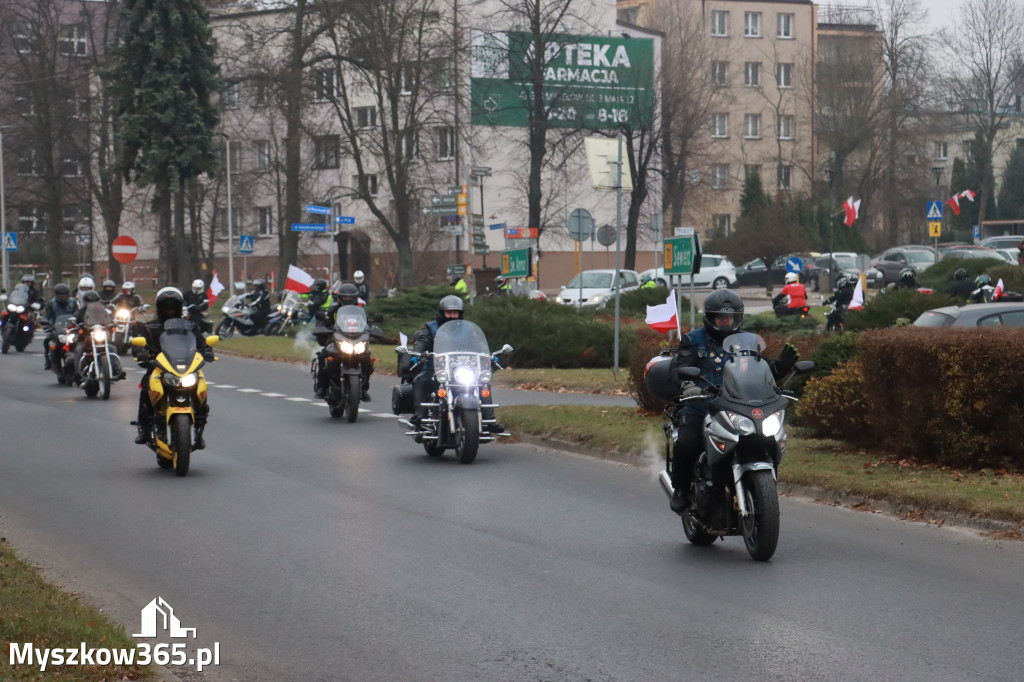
{"x":787,"y":358}
{"x":208,"y":355}
{"x":141,"y":355}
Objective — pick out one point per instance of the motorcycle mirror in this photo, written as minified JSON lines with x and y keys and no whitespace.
{"x":145,"y":307}
{"x":3,"y":297}
{"x":377,"y":318}
{"x":506,"y":348}
{"x":36,"y":306}
{"x":803,"y":366}
{"x":210,"y":340}
{"x":694,"y":372}
{"x":138,"y":342}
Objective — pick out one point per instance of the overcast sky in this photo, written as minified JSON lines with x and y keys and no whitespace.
{"x":941,"y":13}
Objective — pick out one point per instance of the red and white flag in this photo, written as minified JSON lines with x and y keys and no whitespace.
{"x":215,"y":288}
{"x":298,"y":280}
{"x":954,"y":201}
{"x":852,"y":209}
{"x":857,"y":302}
{"x":664,"y":317}
{"x":999,"y":290}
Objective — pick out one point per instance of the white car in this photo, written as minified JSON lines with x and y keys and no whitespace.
{"x":716,"y":272}
{"x":597,"y":288}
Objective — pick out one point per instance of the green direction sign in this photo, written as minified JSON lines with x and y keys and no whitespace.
{"x":591,"y":82}
{"x":678,"y":255}
{"x":516,"y":263}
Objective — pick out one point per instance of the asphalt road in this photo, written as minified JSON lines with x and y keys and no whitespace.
{"x":310,"y":549}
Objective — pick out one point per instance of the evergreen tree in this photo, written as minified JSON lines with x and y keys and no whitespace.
{"x":753,"y":197}
{"x":967,"y":175}
{"x":1011,"y":194}
{"x":163,"y":80}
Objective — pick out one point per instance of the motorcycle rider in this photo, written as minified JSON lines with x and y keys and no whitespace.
{"x":169,"y":305}
{"x":362,"y":286}
{"x":259,"y":299}
{"x":985,"y":292}
{"x":844,"y":292}
{"x":797,"y":293}
{"x":108,"y":292}
{"x":347,"y":294}
{"x":196,"y":302}
{"x":30,"y":285}
{"x":85,"y":284}
{"x":907,"y":280}
{"x":92,"y":311}
{"x":961,"y":288}
{"x":127,"y":298}
{"x":60,"y":304}
{"x":318,"y":298}
{"x":702,"y":348}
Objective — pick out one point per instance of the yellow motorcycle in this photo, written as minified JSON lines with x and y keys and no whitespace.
{"x":177,"y":391}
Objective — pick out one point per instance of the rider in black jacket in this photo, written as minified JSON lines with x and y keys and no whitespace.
{"x":197,"y":300}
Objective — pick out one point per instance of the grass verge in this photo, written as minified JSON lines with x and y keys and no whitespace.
{"x":819,"y":463}
{"x":33,"y":610}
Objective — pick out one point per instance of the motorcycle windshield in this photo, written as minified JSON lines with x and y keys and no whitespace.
{"x":63,"y":321}
{"x":350,"y":320}
{"x":19,"y":295}
{"x":460,"y":336}
{"x":178,"y":343}
{"x":290,"y":301}
{"x":746,"y":376}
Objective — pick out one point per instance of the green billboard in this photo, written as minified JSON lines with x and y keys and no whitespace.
{"x":678,"y":255}
{"x":590,"y":82}
{"x":516,"y":263}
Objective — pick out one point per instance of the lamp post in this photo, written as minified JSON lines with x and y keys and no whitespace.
{"x":830,"y":175}
{"x":231,"y":231}
{"x":3,"y":214}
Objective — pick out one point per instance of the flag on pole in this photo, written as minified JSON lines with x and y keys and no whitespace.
{"x":298,"y":280}
{"x":215,"y":288}
{"x":999,"y":290}
{"x":857,"y":302}
{"x":664,"y":317}
{"x":852,"y":209}
{"x":954,"y":201}
{"x":403,"y":339}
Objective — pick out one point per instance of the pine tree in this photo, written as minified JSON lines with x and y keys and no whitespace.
{"x":753,"y":196}
{"x":1011,"y":194}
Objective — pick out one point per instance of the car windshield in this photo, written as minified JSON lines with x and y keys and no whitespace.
{"x":591,"y":280}
{"x":755,"y":264}
{"x":460,"y":336}
{"x":933,"y":318}
{"x":920,"y":257}
{"x":846,"y":261}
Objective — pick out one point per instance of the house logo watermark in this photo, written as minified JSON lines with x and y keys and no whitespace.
{"x":158,"y":616}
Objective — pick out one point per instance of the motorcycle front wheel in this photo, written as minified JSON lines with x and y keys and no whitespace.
{"x":104,"y":380}
{"x":274,"y":329}
{"x":467,"y":436}
{"x":7,"y":341}
{"x":761,"y":528}
{"x":181,"y":439}
{"x":225,"y":329}
{"x":353,"y":392}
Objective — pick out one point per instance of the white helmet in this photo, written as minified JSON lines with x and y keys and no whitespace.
{"x":86,"y":284}
{"x":358,"y":276}
{"x":197,"y":286}
{"x":128,"y":288}
{"x":791,"y":278}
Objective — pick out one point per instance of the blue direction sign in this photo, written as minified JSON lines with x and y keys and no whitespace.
{"x":345,"y":220}
{"x":11,"y":241}
{"x":496,"y":226}
{"x":934,"y":210}
{"x":245,"y":243}
{"x":319,"y":210}
{"x":794,"y":264}
{"x":308,"y":227}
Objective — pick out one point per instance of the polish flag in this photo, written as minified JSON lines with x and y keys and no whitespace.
{"x":852,"y":211}
{"x":664,"y":317}
{"x":857,"y":302}
{"x":954,"y":201}
{"x":298,"y":280}
{"x":215,"y":288}
{"x":999,"y":290}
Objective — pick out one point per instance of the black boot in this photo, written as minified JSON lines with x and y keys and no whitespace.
{"x":145,"y":428}
{"x":46,"y":361}
{"x":366,"y":396}
{"x":199,"y":444}
{"x":680,"y":501}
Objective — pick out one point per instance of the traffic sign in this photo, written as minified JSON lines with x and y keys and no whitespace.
{"x":516,"y":263}
{"x":440,"y":210}
{"x":934,"y":228}
{"x":445,"y":200}
{"x":521,"y":233}
{"x":934,"y":210}
{"x":977,"y":231}
{"x":581,"y":224}
{"x":11,"y":241}
{"x":308,"y":227}
{"x":478,"y":220}
{"x":480,"y":171}
{"x":794,"y":264}
{"x":496,"y":226}
{"x":319,"y":210}
{"x":345,"y":220}
{"x":454,"y":271}
{"x":124,"y":249}
{"x":679,"y":253}
{"x":606,"y":235}
{"x":245,"y":243}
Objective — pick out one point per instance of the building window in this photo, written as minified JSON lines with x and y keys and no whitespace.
{"x":72,"y":42}
{"x":752,"y":126}
{"x":722,"y":222}
{"x":366,"y":117}
{"x":30,"y":219}
{"x":236,"y":156}
{"x":941,"y":151}
{"x":719,"y":23}
{"x":261,"y":94}
{"x":784,"y":75}
{"x":1020,"y":143}
{"x":720,"y":125}
{"x":407,"y":77}
{"x":75,"y":218}
{"x":751,"y":169}
{"x":265,"y":219}
{"x":325,"y":85}
{"x":720,"y":176}
{"x":752,"y":74}
{"x":911,"y":159}
{"x":25,"y":37}
{"x":784,"y":26}
{"x":230,"y":96}
{"x":367,"y":183}
{"x":446,"y":142}
{"x":220,"y":221}
{"x":410,"y":144}
{"x":263,"y":154}
{"x":785,"y":174}
{"x":70,"y":167}
{"x":786,"y":127}
{"x":29,"y":162}
{"x":720,"y":73}
{"x":752,"y":24}
{"x":326,"y":151}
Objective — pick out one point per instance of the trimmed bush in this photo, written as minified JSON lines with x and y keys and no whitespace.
{"x":768,"y":323}
{"x":940,"y":275}
{"x":835,"y":406}
{"x":833,"y":351}
{"x":884,"y":309}
{"x":634,"y":302}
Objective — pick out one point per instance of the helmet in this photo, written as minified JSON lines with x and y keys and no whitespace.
{"x":907,"y":276}
{"x":358,"y":276}
{"x":792,"y":278}
{"x":61,"y":292}
{"x":319,"y":286}
{"x":449,"y":303}
{"x":90,"y":297}
{"x":86,"y":283}
{"x":499,"y":280}
{"x":28,"y":279}
{"x":259,"y":284}
{"x":169,"y":303}
{"x":960,"y":274}
{"x":108,"y":285}
{"x":983,"y":280}
{"x":347,"y":293}
{"x":197,"y":286}
{"x":844,"y":281}
{"x":129,"y":287}
{"x":722,"y":301}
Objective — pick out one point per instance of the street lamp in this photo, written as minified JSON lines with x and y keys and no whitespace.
{"x":231,"y":235}
{"x":3,"y":214}
{"x":830,"y":175}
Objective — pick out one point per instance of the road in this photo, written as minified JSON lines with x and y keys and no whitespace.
{"x":309,"y":549}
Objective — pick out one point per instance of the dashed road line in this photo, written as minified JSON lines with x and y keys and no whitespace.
{"x":249,"y":390}
{"x":272,"y":395}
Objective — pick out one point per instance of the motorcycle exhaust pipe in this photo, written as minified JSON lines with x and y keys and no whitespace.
{"x":666,"y":483}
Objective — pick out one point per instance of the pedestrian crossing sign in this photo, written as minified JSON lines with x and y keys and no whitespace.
{"x":11,"y":241}
{"x":934,"y":210}
{"x":245,"y":243}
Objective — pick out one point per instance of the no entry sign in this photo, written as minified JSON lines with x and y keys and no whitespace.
{"x":124,"y":249}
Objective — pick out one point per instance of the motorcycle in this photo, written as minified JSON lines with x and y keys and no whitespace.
{"x":780,"y":305}
{"x":346,"y":355}
{"x":17,"y":320}
{"x":193,"y":314}
{"x":237,"y":317}
{"x":463,"y":371}
{"x":733,"y":489}
{"x":62,"y":361}
{"x":121,"y":330}
{"x":834,"y":319}
{"x":289,"y":313}
{"x":176,"y":388}
{"x":100,"y":364}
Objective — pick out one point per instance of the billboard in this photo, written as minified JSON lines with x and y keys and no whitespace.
{"x":590,"y":82}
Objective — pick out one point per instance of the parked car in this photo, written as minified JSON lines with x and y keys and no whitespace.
{"x":845,"y":264}
{"x":1010,"y":252}
{"x":597,"y":289}
{"x":1003,"y":241}
{"x":892,"y":261}
{"x":716,"y":272}
{"x":755,"y":274}
{"x":975,"y":315}
{"x":971,"y":251}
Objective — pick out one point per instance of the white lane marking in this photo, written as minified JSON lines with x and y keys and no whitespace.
{"x":383,"y":415}
{"x":299,"y":400}
{"x":222,"y":385}
{"x":248,"y":390}
{"x":272,"y":395}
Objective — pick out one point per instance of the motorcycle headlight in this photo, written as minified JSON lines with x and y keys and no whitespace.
{"x":441,"y":376}
{"x":99,"y":335}
{"x":20,"y":309}
{"x":485,"y":377}
{"x":743,"y":425}
{"x":772,"y":424}
{"x":464,"y":376}
{"x":62,"y":338}
{"x":71,"y":338}
{"x":187,"y":381}
{"x":122,"y":315}
{"x":346,"y":347}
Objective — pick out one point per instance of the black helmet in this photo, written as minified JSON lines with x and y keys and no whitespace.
{"x":907,"y":276}
{"x":62,"y":292}
{"x":722,"y":301}
{"x":169,"y":303}
{"x":109,"y":285}
{"x":448,"y":303}
{"x":983,"y":280}
{"x":90,"y":297}
{"x":319,"y":286}
{"x":960,"y":274}
{"x":347,"y":293}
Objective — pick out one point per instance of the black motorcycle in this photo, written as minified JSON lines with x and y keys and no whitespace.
{"x":290,"y":312}
{"x":62,"y":360}
{"x":17,"y":320}
{"x":346,"y":354}
{"x":834,"y":319}
{"x":733,"y":489}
